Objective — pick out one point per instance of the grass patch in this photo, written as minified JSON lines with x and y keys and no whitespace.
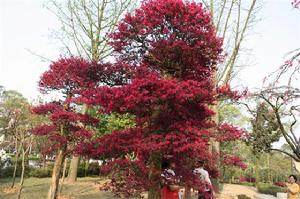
{"x":266,"y":188}
{"x":85,"y":188}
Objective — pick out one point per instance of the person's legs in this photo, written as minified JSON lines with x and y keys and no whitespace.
{"x":207,"y":195}
{"x":200,"y":195}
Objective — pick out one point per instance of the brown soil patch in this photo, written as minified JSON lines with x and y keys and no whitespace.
{"x":232,"y":190}
{"x":223,"y":196}
{"x":65,"y":197}
{"x":10,"y":190}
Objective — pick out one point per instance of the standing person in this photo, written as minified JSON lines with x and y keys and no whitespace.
{"x":292,"y":187}
{"x":207,"y":192}
{"x":170,"y":181}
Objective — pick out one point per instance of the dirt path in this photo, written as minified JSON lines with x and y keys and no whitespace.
{"x":230,"y":191}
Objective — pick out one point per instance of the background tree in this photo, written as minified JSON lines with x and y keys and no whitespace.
{"x":278,"y":108}
{"x":282,"y":115}
{"x":233,"y":21}
{"x":86,"y":23}
{"x":231,"y":113}
{"x":26,"y":140}
{"x":265,"y":129}
{"x":14,"y":111}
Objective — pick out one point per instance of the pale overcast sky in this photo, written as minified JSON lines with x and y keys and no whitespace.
{"x":25,"y":25}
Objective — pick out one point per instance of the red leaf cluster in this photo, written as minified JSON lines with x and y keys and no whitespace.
{"x":70,"y":75}
{"x":72,"y":117}
{"x":280,"y":184}
{"x":66,"y":127}
{"x":225,"y":92}
{"x":47,"y":108}
{"x":233,"y":160}
{"x":228,"y":132}
{"x":246,"y":179}
{"x":66,"y":75}
{"x":127,"y":179}
{"x":44,"y":129}
{"x":172,"y":36}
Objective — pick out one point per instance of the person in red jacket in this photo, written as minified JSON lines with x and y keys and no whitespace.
{"x":170,"y":181}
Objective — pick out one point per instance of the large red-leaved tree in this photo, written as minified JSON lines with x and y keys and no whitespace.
{"x":172,"y":49}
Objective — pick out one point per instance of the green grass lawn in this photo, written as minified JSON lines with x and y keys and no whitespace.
{"x":37,"y":188}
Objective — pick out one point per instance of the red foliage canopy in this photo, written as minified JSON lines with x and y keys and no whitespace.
{"x":66,"y":75}
{"x":172,"y":36}
{"x":172,"y":48}
{"x":66,"y":127}
{"x":70,"y":75}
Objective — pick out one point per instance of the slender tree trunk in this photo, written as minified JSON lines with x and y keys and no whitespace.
{"x":44,"y":163}
{"x":63,"y":176}
{"x":215,"y":145}
{"x":72,"y":175}
{"x":15,"y":164}
{"x":86,"y":167}
{"x":269,"y":169}
{"x":154,"y":177}
{"x":257,"y":176}
{"x":52,"y":194}
{"x":224,"y":173}
{"x":15,"y":171}
{"x":22,"y":174}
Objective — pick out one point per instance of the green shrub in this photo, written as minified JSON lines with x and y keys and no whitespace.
{"x":8,"y":171}
{"x":32,"y":157}
{"x":93,"y":170}
{"x":269,"y":189}
{"x":243,"y":196}
{"x":41,"y":172}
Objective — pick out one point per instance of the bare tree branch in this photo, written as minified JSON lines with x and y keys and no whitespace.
{"x":287,"y":153}
{"x":86,"y":23}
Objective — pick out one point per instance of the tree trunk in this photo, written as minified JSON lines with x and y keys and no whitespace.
{"x":154,"y":176}
{"x":215,"y":145}
{"x":52,"y":194}
{"x":86,"y":167}
{"x":15,"y":165}
{"x":187,"y":192}
{"x":44,"y":163}
{"x":269,"y":168}
{"x":63,"y":176}
{"x":72,"y":175}
{"x":22,"y":174}
{"x":15,"y":171}
{"x":257,"y":177}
